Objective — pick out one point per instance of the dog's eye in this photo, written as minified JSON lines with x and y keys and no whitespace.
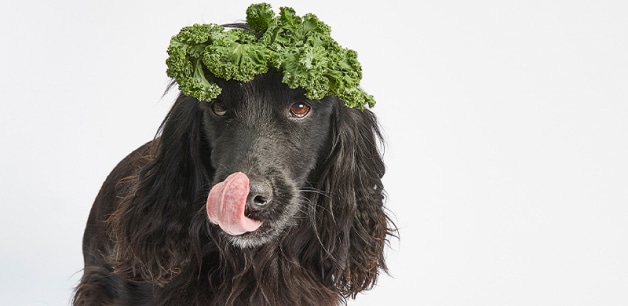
{"x":299,"y":110}
{"x":218,"y":108}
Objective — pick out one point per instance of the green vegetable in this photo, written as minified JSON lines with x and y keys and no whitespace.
{"x":300,"y":47}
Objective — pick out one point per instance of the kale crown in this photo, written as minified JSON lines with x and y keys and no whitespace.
{"x":300,"y":47}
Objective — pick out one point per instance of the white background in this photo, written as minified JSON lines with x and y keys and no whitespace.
{"x":506,"y":126}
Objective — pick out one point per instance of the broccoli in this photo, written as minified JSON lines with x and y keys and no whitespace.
{"x":300,"y":47}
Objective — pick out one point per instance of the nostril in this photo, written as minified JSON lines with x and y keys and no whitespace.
{"x":260,"y":200}
{"x":260,"y":194}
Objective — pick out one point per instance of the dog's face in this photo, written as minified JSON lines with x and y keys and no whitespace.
{"x":273,"y":135}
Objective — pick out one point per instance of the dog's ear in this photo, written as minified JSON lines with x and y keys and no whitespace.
{"x":351,"y":221}
{"x":152,"y":225}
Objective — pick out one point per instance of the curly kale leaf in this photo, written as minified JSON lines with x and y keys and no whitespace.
{"x":283,"y":31}
{"x":184,"y":62}
{"x":198,"y":86}
{"x":235,"y":55}
{"x":312,"y":60}
{"x":259,"y":17}
{"x":302,"y":68}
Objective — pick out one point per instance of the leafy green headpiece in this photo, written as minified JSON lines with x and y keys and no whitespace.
{"x":300,"y":47}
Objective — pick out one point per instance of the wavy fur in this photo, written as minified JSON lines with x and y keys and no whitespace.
{"x":148,"y":240}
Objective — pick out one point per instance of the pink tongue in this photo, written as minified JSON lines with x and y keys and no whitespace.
{"x":226,"y":202}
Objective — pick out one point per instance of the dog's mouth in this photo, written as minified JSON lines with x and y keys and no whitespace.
{"x":227,"y":205}
{"x":251,"y":212}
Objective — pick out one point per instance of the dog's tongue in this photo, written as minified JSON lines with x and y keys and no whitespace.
{"x":226,"y":202}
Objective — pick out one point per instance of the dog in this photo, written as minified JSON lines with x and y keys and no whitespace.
{"x":258,"y":197}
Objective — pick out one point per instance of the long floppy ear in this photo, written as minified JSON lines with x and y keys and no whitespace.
{"x":352,"y":224}
{"x":151,"y":227}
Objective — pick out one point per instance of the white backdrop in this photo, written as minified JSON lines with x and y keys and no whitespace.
{"x":506,"y":126}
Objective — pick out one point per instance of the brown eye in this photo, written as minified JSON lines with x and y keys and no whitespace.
{"x":218,"y":108}
{"x":299,"y":110}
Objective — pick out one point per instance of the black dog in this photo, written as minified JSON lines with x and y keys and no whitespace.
{"x":315,"y":201}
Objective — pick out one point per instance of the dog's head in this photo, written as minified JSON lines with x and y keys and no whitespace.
{"x":272,"y":137}
{"x":268,"y":167}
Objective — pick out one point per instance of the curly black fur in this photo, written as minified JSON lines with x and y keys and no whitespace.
{"x":148,"y":240}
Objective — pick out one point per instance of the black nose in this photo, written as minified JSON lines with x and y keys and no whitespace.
{"x":260,"y":194}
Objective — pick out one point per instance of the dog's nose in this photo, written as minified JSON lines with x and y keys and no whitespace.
{"x":260,"y":194}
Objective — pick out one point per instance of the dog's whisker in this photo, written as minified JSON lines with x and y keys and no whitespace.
{"x":314,"y":190}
